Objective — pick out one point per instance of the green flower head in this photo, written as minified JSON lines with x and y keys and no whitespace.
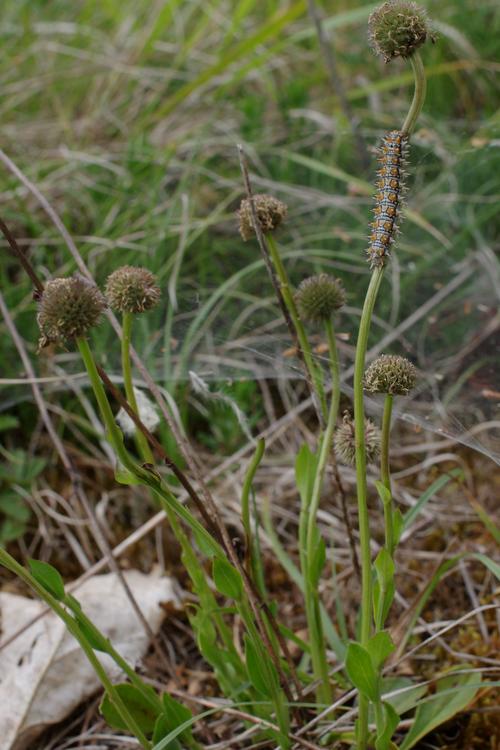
{"x":318,"y":297}
{"x":398,"y":28}
{"x":130,"y":289}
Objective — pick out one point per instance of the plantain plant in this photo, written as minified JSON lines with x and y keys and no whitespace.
{"x":260,"y":674}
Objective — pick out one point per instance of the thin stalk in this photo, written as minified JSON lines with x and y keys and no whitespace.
{"x":359,"y":416}
{"x":314,"y":371}
{"x":418,"y":95}
{"x":361,"y":485}
{"x":140,"y":440}
{"x":385,"y":471}
{"x":72,"y":626}
{"x":318,"y":651}
{"x":245,"y":505}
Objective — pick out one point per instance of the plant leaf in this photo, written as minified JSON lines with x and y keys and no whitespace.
{"x":429,"y":494}
{"x":227,"y":579}
{"x":383,"y":493}
{"x":380,"y":647}
{"x":391,"y":721}
{"x":48,"y":577}
{"x":305,"y":471}
{"x":361,"y":672}
{"x":405,"y":701}
{"x":139,"y":707}
{"x":454,"y":693}
{"x":174,"y":715}
{"x":261,"y":671}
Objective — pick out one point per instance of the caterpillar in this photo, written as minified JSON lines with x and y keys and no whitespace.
{"x":392,"y":156}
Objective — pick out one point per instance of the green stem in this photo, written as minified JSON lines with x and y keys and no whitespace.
{"x":72,"y":626}
{"x":363,"y":519}
{"x":170,"y":504}
{"x":140,"y":440}
{"x":418,"y":95}
{"x":245,"y":507}
{"x":385,"y":471}
{"x":313,"y":370}
{"x":318,"y":651}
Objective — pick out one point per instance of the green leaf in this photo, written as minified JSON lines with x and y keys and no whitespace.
{"x":11,"y":530}
{"x":143,"y":710}
{"x":404,"y":701}
{"x":382,"y":601}
{"x":48,"y":577}
{"x":380,"y":647}
{"x":361,"y":672}
{"x":8,"y":423}
{"x":124,"y":476}
{"x":383,"y":493}
{"x":173,"y":716}
{"x":227,"y":579}
{"x":15,"y":507}
{"x":429,"y":494}
{"x":305,"y":472}
{"x":318,"y":559}
{"x":398,"y":524}
{"x":261,"y":671}
{"x":205,"y":547}
{"x":166,"y":741}
{"x":454,"y":693}
{"x":391,"y":721}
{"x":96,"y":639}
{"x":489,"y":563}
{"x":384,"y":567}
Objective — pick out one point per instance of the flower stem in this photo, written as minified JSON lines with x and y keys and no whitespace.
{"x":385,"y":470}
{"x":418,"y":95}
{"x":320,"y":663}
{"x":140,"y":440}
{"x":313,"y":370}
{"x":363,"y":520}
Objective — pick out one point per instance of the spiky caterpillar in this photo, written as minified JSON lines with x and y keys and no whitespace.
{"x":390,"y":184}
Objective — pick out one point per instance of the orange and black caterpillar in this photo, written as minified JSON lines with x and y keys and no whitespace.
{"x":389,"y":196}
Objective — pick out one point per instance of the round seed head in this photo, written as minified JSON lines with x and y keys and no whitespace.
{"x":398,"y":28}
{"x":68,"y":308}
{"x":345,"y":441}
{"x":392,"y":374}
{"x":132,"y":290}
{"x":319,"y":296}
{"x":270,"y":213}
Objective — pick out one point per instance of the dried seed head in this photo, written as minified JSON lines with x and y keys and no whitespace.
{"x":345,"y":441}
{"x":132,"y":290}
{"x":68,"y":308}
{"x":392,"y":374}
{"x":270,"y":213}
{"x":319,"y":296}
{"x":397,"y":28}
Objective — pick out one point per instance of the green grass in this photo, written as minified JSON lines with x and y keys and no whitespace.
{"x":127,"y":114}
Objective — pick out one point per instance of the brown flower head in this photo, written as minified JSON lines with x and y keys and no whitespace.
{"x":392,"y":374}
{"x":345,"y":441}
{"x":68,"y":308}
{"x":130,"y":289}
{"x":270,"y":213}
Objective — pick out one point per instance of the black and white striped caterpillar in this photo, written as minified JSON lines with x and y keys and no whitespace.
{"x":390,"y":184}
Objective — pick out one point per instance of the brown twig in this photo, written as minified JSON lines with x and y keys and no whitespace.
{"x":346,"y":515}
{"x":21,"y":256}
